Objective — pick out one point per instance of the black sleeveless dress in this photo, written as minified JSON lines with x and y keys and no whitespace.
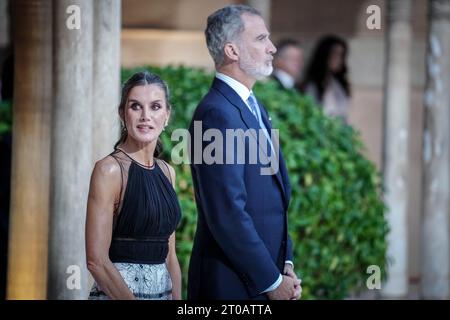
{"x":146,"y":215}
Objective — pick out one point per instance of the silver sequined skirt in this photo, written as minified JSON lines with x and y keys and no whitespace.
{"x":146,"y":282}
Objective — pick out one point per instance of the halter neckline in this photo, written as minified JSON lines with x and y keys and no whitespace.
{"x":137,"y":162}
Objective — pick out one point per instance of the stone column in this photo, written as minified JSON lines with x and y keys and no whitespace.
{"x":4,"y":23}
{"x":436,"y":157}
{"x":71,"y":156}
{"x":105,"y":127}
{"x":396,"y":123}
{"x":30,"y":173}
{"x":264,"y":7}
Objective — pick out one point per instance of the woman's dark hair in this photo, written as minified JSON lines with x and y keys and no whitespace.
{"x":318,"y":70}
{"x":142,"y":78}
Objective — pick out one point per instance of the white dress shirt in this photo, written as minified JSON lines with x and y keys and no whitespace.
{"x":285,"y":78}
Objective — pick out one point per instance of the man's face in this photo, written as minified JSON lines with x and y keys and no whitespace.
{"x":255,"y":48}
{"x":291,"y":61}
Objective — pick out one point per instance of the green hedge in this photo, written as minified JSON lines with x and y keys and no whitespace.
{"x":5,"y":117}
{"x":336,"y":215}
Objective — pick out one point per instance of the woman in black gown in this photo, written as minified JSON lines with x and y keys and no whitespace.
{"x":133,"y":210}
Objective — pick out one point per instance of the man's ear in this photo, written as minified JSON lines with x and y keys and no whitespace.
{"x":231,"y":51}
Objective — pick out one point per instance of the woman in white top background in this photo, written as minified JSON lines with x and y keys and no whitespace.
{"x":325,"y":77}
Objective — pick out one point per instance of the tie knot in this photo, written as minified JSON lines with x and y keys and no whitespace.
{"x":253,"y":104}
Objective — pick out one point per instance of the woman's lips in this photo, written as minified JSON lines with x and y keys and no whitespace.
{"x":144,"y":128}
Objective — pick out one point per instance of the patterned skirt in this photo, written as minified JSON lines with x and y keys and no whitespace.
{"x":146,"y":282}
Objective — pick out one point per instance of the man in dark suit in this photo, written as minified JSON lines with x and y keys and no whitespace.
{"x":242,"y":249}
{"x":288,"y":63}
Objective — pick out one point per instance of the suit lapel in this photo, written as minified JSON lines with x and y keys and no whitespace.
{"x":282,"y":172}
{"x":251,"y":123}
{"x":249,"y":119}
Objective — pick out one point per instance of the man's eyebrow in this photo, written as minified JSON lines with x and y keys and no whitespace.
{"x":263,"y":35}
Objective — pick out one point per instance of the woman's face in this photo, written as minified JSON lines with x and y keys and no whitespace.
{"x":146,"y":113}
{"x":336,"y":60}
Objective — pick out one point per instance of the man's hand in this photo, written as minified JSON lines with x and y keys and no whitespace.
{"x":289,"y":271}
{"x":285,"y":291}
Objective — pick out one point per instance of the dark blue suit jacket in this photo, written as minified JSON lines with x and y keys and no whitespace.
{"x":241,"y":241}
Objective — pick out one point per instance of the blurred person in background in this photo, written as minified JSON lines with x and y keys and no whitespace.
{"x":287,"y":63}
{"x":325,"y":77}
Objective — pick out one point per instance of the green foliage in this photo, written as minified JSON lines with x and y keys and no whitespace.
{"x":336,"y":215}
{"x":5,"y":117}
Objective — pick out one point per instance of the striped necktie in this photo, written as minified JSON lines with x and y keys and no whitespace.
{"x":256,"y":112}
{"x":253,"y":105}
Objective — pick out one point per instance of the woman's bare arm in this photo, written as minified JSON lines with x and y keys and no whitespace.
{"x":172,"y":260}
{"x":174,"y":269}
{"x":104,"y":188}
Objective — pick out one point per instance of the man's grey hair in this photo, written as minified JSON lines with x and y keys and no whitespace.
{"x":223,"y":26}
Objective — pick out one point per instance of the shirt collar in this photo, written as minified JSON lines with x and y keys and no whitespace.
{"x":238,"y":87}
{"x":285,"y":78}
